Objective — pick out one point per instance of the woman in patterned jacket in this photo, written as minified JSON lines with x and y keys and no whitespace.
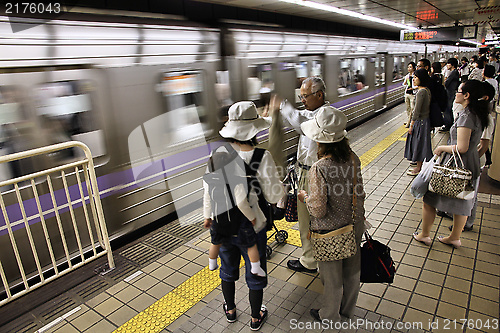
{"x":333,"y":180}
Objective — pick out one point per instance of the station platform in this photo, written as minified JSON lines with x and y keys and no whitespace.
{"x":436,"y":288}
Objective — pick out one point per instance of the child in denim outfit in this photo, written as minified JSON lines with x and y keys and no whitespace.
{"x":246,"y":232}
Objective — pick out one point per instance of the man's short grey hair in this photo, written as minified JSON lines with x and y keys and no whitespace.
{"x":317,"y":83}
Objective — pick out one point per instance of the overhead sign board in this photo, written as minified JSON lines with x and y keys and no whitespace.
{"x":432,"y":35}
{"x":487,"y":15}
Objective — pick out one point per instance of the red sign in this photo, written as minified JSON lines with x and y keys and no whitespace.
{"x":426,"y":15}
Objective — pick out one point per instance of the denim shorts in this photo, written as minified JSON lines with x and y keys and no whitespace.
{"x":246,"y":235}
{"x":230,"y":255}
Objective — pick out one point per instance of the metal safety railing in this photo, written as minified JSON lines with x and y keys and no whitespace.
{"x":48,"y":229}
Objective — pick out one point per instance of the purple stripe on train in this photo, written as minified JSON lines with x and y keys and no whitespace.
{"x":187,"y":159}
{"x":159,"y":168}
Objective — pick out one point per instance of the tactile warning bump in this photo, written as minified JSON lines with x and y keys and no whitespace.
{"x":294,"y":238}
{"x":199,"y":285}
{"x":293,"y":235}
{"x":158,"y":316}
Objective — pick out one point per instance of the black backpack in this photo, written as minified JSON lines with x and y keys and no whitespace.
{"x":221,"y":183}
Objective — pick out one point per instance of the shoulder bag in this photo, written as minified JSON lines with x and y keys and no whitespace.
{"x":291,"y":214}
{"x":340,"y":243}
{"x":452,"y":181}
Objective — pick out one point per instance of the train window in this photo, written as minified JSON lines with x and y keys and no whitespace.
{"x":301,"y":70}
{"x":317,"y":68}
{"x":380,"y":71}
{"x":223,"y":94}
{"x":17,"y":133}
{"x":301,"y":74}
{"x":397,"y":72}
{"x":352,"y":75}
{"x":260,"y":81}
{"x":66,"y":113}
{"x":186,"y":117}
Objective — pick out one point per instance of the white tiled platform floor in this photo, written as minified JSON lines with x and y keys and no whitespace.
{"x":433,"y":285}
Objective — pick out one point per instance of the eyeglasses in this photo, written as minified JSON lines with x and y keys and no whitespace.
{"x":301,"y":97}
{"x":459,"y":92}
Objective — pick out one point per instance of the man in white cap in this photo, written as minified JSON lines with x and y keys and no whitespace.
{"x":444,"y":69}
{"x":312,"y":95}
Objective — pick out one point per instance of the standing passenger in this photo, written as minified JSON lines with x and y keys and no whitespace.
{"x":409,"y":93}
{"x":477,"y":70}
{"x":451,"y":84}
{"x":418,"y":143}
{"x":331,"y":205}
{"x":465,"y":135}
{"x":464,"y":69}
{"x":312,"y":95}
{"x":425,"y":64}
{"x":241,"y":131}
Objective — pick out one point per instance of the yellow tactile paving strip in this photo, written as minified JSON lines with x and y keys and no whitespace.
{"x":371,"y":154}
{"x":170,"y":307}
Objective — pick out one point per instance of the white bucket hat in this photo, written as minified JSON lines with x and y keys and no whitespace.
{"x":442,"y":60}
{"x":244,"y":122}
{"x":328,"y":125}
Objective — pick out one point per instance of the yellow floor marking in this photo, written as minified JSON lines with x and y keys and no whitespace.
{"x":374,"y":152}
{"x":170,"y":307}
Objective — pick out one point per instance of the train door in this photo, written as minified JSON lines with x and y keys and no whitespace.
{"x":395,"y":90}
{"x":258,"y":80}
{"x":380,"y":87}
{"x":66,"y":111}
{"x":167,"y":123}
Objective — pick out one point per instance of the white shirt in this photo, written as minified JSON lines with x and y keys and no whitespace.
{"x":494,"y":83}
{"x":407,"y":80}
{"x":307,"y":149}
{"x":268,"y":177}
{"x":488,"y":131}
{"x":445,"y":72}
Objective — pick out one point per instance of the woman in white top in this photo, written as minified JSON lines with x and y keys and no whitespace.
{"x":241,"y":130}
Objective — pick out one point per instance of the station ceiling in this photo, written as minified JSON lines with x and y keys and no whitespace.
{"x":415,"y":13}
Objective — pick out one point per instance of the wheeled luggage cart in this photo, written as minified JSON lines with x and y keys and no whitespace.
{"x":280,"y":235}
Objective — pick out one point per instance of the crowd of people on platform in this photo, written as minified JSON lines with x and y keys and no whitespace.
{"x":456,"y":97}
{"x":464,"y":109}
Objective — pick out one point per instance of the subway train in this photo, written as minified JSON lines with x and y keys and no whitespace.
{"x":148,"y":99}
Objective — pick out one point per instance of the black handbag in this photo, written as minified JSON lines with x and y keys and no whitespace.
{"x":377,"y":265}
{"x":291,"y":214}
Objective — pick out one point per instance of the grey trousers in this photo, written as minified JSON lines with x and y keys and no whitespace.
{"x":340,"y":286}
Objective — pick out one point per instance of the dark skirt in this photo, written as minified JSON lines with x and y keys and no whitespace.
{"x":418,"y":143}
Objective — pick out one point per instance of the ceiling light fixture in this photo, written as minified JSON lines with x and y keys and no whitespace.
{"x":336,"y":10}
{"x":470,"y":42}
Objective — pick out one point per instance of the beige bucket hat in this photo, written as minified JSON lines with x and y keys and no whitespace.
{"x":327,"y":126}
{"x":244,"y":122}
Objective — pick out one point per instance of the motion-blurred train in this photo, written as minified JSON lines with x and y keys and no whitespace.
{"x":149,"y":99}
